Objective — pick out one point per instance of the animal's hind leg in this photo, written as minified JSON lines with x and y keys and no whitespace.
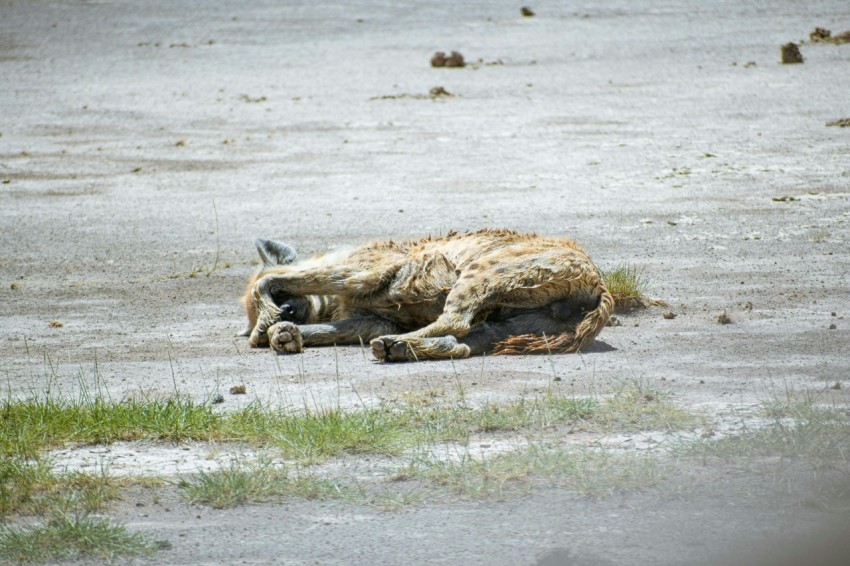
{"x":527,"y":279}
{"x":531,"y":279}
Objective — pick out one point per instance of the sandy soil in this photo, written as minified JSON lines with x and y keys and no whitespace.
{"x":144,"y":145}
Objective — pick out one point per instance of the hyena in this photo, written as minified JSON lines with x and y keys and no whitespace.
{"x":491,"y":291}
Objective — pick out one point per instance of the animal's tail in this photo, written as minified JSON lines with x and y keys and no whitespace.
{"x":591,"y":325}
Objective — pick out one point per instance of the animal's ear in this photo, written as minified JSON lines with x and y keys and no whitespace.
{"x":274,"y":253}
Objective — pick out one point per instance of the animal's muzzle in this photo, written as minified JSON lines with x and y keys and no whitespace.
{"x":287,"y":312}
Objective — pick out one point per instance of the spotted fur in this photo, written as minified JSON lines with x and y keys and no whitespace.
{"x":462,"y":294}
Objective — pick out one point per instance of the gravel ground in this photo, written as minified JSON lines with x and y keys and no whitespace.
{"x":144,"y":145}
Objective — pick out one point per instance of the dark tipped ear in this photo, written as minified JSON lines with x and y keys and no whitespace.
{"x":274,"y":253}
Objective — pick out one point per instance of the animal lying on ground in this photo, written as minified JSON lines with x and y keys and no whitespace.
{"x":490,"y":291}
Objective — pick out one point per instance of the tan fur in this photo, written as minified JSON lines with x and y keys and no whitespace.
{"x":487,"y":291}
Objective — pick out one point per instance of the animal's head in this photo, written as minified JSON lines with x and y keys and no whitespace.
{"x":275,"y":256}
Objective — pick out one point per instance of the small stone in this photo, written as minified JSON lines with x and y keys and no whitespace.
{"x":819,"y":34}
{"x":218,"y":399}
{"x":723,"y":318}
{"x":455,"y":60}
{"x":56,"y":324}
{"x":438,"y":59}
{"x":238,"y":390}
{"x":832,"y":327}
{"x":791,"y":54}
{"x":836,"y":385}
{"x":669,"y":315}
{"x":614,"y":321}
{"x":438,"y":91}
{"x":842,"y":123}
{"x":526,"y":12}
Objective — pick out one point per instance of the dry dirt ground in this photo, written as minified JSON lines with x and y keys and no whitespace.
{"x":143,"y":145}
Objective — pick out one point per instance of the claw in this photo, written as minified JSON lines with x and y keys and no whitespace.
{"x":389,"y":349}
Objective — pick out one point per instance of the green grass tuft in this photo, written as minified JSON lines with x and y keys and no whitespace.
{"x":30,"y":487}
{"x":638,"y":406}
{"x":817,"y":434}
{"x":240,"y":482}
{"x":587,"y":471}
{"x":72,"y":538}
{"x":35,"y":424}
{"x":328,"y":432}
{"x":30,"y":426}
{"x":628,"y":286}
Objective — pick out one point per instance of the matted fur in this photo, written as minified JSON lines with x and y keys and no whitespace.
{"x":490,"y":291}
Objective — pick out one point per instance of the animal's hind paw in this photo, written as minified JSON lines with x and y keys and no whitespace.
{"x":284,"y":337}
{"x":391,"y":349}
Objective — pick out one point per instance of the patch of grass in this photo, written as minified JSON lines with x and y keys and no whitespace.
{"x":236,"y":484}
{"x":819,"y":236}
{"x":30,"y":426}
{"x":798,"y":430}
{"x":20,"y":484}
{"x":240,"y":482}
{"x":628,"y":286}
{"x":35,"y":424}
{"x":328,"y":432}
{"x":72,"y":538}
{"x":27,"y":427}
{"x":587,"y":471}
{"x":456,"y":421}
{"x":32,"y":488}
{"x":639,"y":406}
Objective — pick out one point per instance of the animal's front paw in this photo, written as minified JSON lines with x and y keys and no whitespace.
{"x":258,"y":338}
{"x":259,"y":335}
{"x":284,"y":337}
{"x":391,"y":349}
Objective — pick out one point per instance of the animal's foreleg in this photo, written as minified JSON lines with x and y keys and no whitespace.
{"x":287,"y":337}
{"x":333,"y":280}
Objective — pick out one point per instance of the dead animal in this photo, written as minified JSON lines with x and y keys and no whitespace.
{"x":462,"y":294}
